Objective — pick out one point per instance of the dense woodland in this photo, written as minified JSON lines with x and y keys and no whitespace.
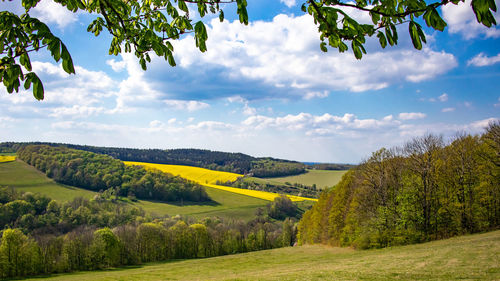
{"x":215,"y":160}
{"x":42,"y":236}
{"x":101,"y":172}
{"x":422,"y":191}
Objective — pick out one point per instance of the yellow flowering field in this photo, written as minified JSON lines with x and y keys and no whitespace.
{"x":7,"y":158}
{"x":209,"y":178}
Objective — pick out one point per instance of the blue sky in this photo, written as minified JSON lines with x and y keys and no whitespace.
{"x":264,"y":89}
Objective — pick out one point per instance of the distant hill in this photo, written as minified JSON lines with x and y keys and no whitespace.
{"x":215,"y":160}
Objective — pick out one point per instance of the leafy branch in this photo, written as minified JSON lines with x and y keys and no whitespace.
{"x":336,"y":27}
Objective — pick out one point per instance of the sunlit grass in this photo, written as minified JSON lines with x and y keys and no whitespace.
{"x":321,"y":178}
{"x":209,"y":178}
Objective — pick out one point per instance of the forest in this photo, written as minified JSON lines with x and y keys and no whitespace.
{"x":422,"y":191}
{"x":215,"y":160}
{"x":100,"y":172}
{"x":42,"y":236}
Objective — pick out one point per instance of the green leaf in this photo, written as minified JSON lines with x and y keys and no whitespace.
{"x":357,"y":50}
{"x":221,"y":16}
{"x":415,"y":36}
{"x":322,"y":46}
{"x":67,"y":60}
{"x":171,"y":60}
{"x":24,"y":59}
{"x":382,"y":39}
{"x":182,"y":5}
{"x":433,"y":19}
{"x":38,"y":91}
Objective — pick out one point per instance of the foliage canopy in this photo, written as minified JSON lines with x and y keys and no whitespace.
{"x":147,"y":26}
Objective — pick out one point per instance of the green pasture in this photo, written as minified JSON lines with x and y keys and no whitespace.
{"x":322,"y":178}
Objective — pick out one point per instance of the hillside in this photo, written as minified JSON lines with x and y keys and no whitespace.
{"x":467,"y":257}
{"x":321,"y":178}
{"x":215,"y":160}
{"x":23,"y":177}
{"x":212,"y":179}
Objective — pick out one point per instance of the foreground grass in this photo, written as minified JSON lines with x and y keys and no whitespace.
{"x":470,"y":257}
{"x":26,"y":178}
{"x":322,"y":178}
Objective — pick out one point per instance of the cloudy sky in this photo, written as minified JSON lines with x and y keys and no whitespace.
{"x":264,"y":89}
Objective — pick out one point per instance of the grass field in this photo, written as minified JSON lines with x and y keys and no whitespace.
{"x":473,"y":257}
{"x":23,"y":177}
{"x":322,"y":178}
{"x":208,"y":178}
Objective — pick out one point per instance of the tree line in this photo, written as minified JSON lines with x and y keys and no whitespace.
{"x":102,"y":172}
{"x":96,"y":234}
{"x":214,"y":160}
{"x":296,"y":189}
{"x":422,"y":191}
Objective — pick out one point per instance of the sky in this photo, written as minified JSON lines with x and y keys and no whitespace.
{"x":265,"y":89}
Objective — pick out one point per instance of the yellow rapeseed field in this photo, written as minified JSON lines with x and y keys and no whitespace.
{"x":209,"y":178}
{"x":6,"y":158}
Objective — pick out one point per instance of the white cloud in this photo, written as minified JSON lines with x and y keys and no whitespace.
{"x":248,"y":110}
{"x":238,"y":99}
{"x":285,"y":53}
{"x":448,"y":109}
{"x":76,"y":111}
{"x":312,"y":95}
{"x":117,"y":65}
{"x":461,"y":19}
{"x":50,"y":12}
{"x":468,"y":104}
{"x":186,"y":105}
{"x":211,"y":126}
{"x":482,"y":60}
{"x":66,"y":96}
{"x":411,"y":115}
{"x":443,"y":97}
{"x":497,"y":104}
{"x":321,"y":125}
{"x":288,"y":3}
{"x":480,"y":125}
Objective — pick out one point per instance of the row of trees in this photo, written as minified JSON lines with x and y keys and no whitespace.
{"x":38,"y":214}
{"x":95,"y":234}
{"x":422,"y":191}
{"x":286,"y":188}
{"x":214,"y":160}
{"x":101,"y":172}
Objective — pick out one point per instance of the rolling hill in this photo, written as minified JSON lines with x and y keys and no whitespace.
{"x":23,"y":177}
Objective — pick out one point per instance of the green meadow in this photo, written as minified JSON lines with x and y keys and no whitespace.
{"x":24,"y":177}
{"x":471,"y":257}
{"x":322,"y":178}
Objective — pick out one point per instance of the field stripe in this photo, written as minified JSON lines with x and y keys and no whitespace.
{"x":208,"y":178}
{"x":7,"y":158}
